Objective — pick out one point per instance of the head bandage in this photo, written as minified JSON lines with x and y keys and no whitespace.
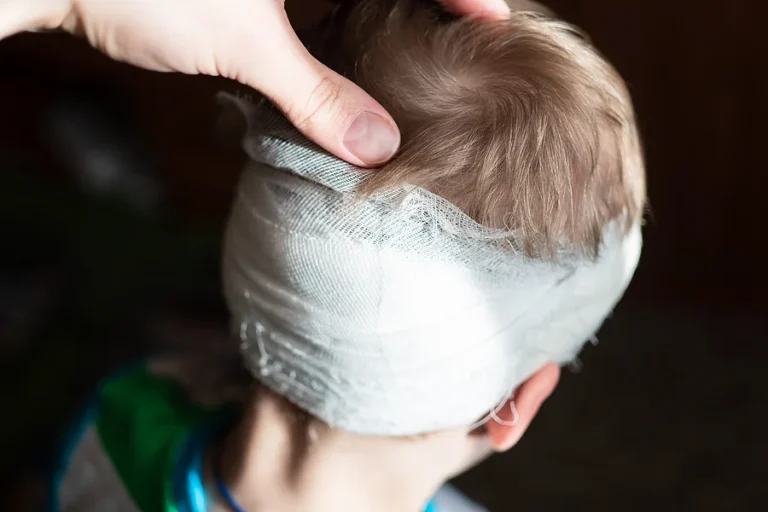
{"x":395,"y":314}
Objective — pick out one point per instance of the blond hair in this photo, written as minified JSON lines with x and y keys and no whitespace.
{"x":521,"y":123}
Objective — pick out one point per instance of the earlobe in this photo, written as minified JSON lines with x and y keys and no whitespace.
{"x":510,"y":423}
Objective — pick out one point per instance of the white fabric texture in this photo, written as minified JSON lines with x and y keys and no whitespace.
{"x":396,"y":314}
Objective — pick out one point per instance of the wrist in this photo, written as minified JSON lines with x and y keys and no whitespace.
{"x":32,"y":15}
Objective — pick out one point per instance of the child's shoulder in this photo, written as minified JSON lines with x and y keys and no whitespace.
{"x":121,"y":454}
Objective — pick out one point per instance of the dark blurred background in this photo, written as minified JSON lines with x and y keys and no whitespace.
{"x":114,"y":188}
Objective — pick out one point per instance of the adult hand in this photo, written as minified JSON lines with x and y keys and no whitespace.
{"x":484,"y":8}
{"x":250,"y":41}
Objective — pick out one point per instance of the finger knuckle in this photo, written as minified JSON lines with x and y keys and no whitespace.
{"x":323,"y":97}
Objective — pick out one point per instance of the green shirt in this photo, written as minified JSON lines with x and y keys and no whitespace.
{"x":139,"y":446}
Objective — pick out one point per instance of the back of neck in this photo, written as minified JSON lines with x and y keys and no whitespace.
{"x":278,"y":460}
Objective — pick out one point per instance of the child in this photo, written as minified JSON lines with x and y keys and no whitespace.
{"x":403,"y":323}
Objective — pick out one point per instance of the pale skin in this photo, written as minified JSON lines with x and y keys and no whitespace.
{"x":272,"y":463}
{"x":278,"y":460}
{"x":250,"y":41}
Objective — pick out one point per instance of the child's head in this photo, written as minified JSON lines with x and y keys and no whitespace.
{"x":520,"y":124}
{"x":370,"y":301}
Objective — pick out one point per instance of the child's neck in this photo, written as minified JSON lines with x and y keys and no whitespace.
{"x":270,"y":463}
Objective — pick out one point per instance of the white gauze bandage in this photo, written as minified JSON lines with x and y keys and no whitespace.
{"x":395,"y":314}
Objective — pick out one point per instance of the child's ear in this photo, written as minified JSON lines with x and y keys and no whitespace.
{"x":510,"y":423}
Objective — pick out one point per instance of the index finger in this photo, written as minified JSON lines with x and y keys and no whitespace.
{"x":484,"y":8}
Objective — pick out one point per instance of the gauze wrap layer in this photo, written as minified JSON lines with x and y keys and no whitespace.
{"x":396,"y":314}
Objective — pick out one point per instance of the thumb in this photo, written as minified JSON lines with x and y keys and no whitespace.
{"x":326,"y":107}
